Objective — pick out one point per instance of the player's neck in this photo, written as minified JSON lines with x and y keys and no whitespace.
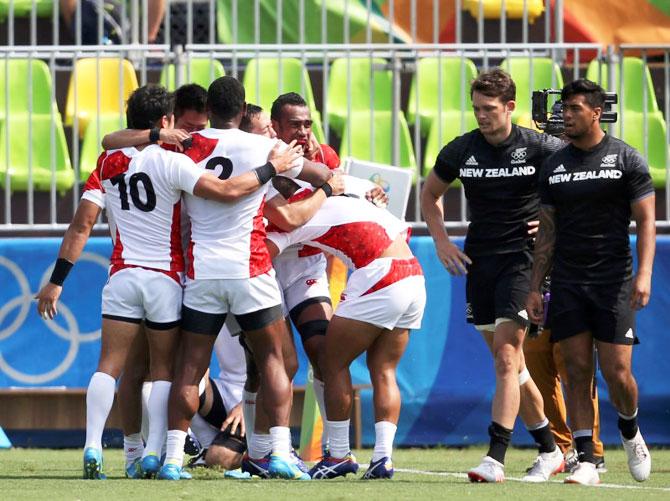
{"x":217,"y":123}
{"x":500,"y":135}
{"x":589,"y":140}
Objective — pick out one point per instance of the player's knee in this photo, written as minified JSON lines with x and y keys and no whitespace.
{"x":506,"y":361}
{"x":579,"y":374}
{"x":616,"y":375}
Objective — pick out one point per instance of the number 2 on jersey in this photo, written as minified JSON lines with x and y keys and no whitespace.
{"x":135,"y":179}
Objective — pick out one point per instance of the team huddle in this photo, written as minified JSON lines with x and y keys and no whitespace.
{"x":221,"y":236}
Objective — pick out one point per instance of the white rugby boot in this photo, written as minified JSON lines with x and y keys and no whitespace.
{"x":584,"y":474}
{"x":489,"y":470}
{"x":639,"y":460}
{"x":546,"y":464}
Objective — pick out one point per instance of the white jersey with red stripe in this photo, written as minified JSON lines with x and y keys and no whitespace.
{"x":352,"y":229}
{"x":228,"y":239}
{"x":142,"y":195}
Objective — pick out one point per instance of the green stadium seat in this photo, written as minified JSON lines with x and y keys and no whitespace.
{"x":426,"y":84}
{"x":16,"y":73}
{"x":362,"y":143}
{"x":91,"y":147}
{"x":657,"y":146}
{"x":23,"y":8}
{"x":451,"y":128}
{"x":360,"y":95}
{"x":200,"y":71}
{"x":546,"y":75}
{"x":15,"y":162}
{"x":262,"y":85}
{"x":116,"y":79}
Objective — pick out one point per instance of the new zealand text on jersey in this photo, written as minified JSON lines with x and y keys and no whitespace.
{"x":526,"y":170}
{"x":566,"y":177}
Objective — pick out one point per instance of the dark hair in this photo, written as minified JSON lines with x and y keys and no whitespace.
{"x":190,"y":97}
{"x":252,"y":112}
{"x":593,"y":93}
{"x":225,"y":98}
{"x":290,"y":98}
{"x":495,"y":83}
{"x":147,"y":105}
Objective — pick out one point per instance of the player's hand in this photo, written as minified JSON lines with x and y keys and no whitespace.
{"x":378,"y":197}
{"x":336,"y":183}
{"x":283,"y":158}
{"x":47,"y":298}
{"x":174,"y":136}
{"x":312,"y":147}
{"x":453,"y":259}
{"x":532,"y":226}
{"x":535,"y":307}
{"x":236,"y":420}
{"x":639,"y":296}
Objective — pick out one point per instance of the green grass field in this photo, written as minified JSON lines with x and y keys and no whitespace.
{"x":428,"y":474}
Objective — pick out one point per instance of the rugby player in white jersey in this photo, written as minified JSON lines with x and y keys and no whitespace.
{"x":230,"y":272}
{"x":384,"y":298}
{"x":141,"y":190}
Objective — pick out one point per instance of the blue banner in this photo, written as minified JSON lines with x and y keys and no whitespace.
{"x":446,"y":376}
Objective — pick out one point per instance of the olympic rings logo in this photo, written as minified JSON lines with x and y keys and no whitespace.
{"x":25,"y":303}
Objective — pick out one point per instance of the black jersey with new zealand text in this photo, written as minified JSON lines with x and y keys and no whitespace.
{"x":591,"y":192}
{"x":500,"y":185}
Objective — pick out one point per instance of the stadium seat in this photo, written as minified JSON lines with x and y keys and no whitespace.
{"x":200,"y":71}
{"x":513,"y":8}
{"x":23,"y":8}
{"x":338,"y":91}
{"x":16,"y":72}
{"x":16,"y":162}
{"x":362,"y":143}
{"x":116,"y":79}
{"x":262,"y":85}
{"x":451,"y":128}
{"x":426,"y":84}
{"x":546,"y":75}
{"x":91,"y":147}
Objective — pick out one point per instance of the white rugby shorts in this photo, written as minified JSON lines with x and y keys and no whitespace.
{"x":302,"y":278}
{"x":232,"y":295}
{"x":141,"y":294}
{"x":388,"y":292}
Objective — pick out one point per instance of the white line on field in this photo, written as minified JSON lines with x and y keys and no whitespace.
{"x":515,"y":479}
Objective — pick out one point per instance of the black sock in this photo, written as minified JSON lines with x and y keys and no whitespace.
{"x":500,"y":437}
{"x":544,"y":439}
{"x":628,"y":427}
{"x":585,"y":449}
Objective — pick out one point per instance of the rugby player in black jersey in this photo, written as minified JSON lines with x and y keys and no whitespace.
{"x":498,"y":164}
{"x":589,"y":191}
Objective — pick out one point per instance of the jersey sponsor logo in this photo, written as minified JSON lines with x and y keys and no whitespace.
{"x":526,"y":170}
{"x":560,"y":168}
{"x":343,"y":297}
{"x":311,"y":281}
{"x":629,"y":334}
{"x":609,"y":160}
{"x":471,"y":161}
{"x":567,"y":177}
{"x":519,"y":156}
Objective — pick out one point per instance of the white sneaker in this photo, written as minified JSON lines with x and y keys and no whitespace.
{"x":584,"y":474}
{"x":639,"y":460}
{"x":545,"y":465}
{"x":489,"y":470}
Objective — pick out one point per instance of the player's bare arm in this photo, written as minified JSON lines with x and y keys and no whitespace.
{"x":314,"y":173}
{"x":453,"y":258}
{"x":280,"y":160}
{"x":73,"y":243}
{"x":644,"y":216}
{"x":134,"y":137}
{"x":289,"y":216}
{"x":543,"y":258}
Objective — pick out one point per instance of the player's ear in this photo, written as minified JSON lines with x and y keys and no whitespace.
{"x":510,"y":106}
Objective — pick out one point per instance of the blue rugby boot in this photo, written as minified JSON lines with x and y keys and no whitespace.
{"x":171,"y":471}
{"x":257,"y":467}
{"x":382,"y":468}
{"x":297,"y":460}
{"x":134,"y":469}
{"x":150,"y":465}
{"x":285,"y":468}
{"x":93,"y":464}
{"x":332,"y":467}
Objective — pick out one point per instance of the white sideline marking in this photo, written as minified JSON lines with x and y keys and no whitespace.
{"x":515,"y":479}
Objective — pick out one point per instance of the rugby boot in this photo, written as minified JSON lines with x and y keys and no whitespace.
{"x":382,"y":468}
{"x":332,"y":467}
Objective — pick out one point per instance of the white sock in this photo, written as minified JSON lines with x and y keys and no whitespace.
{"x":338,"y":436}
{"x":133,"y":447}
{"x":158,"y":402}
{"x":146,"y":393}
{"x":281,"y":440}
{"x":259,"y":444}
{"x":384,"y":435}
{"x":99,"y":400}
{"x":249,"y":412}
{"x":174,"y":453}
{"x":203,"y":431}
{"x":321,"y":402}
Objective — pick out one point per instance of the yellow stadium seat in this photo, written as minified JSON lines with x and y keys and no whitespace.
{"x":113,"y":78}
{"x":513,"y":8}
